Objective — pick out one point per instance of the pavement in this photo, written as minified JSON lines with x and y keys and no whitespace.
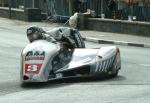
{"x":128,"y":87}
{"x":116,"y":38}
{"x":88,"y":35}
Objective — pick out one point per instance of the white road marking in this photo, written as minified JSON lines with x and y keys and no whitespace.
{"x":146,"y":65}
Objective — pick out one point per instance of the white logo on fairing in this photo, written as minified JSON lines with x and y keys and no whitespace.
{"x":32,"y":68}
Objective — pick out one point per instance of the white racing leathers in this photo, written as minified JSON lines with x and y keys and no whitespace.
{"x":68,"y":35}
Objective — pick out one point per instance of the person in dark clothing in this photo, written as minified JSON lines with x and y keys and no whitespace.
{"x":112,"y":6}
{"x":77,"y":4}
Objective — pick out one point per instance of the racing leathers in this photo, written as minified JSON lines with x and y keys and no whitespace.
{"x":67,"y":35}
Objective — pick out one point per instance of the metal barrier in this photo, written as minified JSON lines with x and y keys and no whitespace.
{"x":58,"y":10}
{"x":136,"y":12}
{"x":93,"y":5}
{"x":140,"y":11}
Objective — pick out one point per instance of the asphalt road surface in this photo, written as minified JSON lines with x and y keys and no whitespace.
{"x":131,"y":86}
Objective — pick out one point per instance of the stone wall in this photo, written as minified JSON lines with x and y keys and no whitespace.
{"x":29,"y":14}
{"x":117,"y":26}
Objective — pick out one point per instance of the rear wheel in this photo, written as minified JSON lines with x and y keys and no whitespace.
{"x":115,"y":74}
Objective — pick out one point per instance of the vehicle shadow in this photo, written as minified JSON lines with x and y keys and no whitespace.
{"x":72,"y":80}
{"x":93,"y":79}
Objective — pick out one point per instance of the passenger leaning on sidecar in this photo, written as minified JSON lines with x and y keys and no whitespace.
{"x":63,"y":34}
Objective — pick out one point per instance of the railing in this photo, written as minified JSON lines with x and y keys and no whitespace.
{"x":138,"y":11}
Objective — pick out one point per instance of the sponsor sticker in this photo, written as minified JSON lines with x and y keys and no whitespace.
{"x":35,"y":55}
{"x":34,"y":58}
{"x":32,"y":68}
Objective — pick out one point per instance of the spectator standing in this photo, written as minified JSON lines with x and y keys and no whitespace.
{"x":112,"y":6}
{"x":77,"y":6}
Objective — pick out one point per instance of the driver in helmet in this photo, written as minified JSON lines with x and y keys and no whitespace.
{"x":63,"y":34}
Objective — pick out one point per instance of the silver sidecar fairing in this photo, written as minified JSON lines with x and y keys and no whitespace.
{"x":90,"y":62}
{"x":38,"y":59}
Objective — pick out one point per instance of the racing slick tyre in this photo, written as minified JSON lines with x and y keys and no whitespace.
{"x":115,"y":74}
{"x":78,"y":39}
